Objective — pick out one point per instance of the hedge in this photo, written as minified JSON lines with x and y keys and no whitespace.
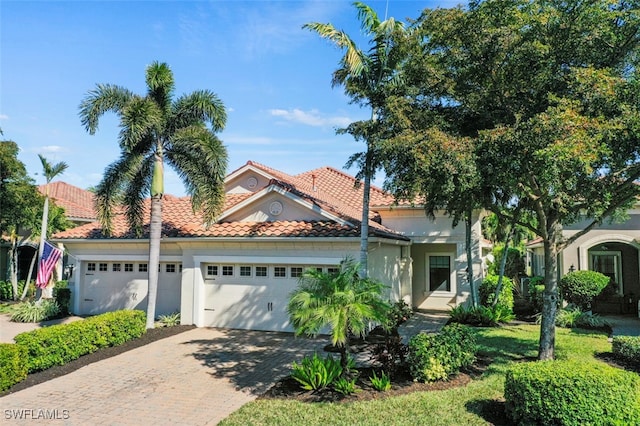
{"x":59,"y":344}
{"x":13,"y":365}
{"x":487,"y":291}
{"x":571,"y":393}
{"x":628,"y":348}
{"x":437,"y":356}
{"x":581,"y":287}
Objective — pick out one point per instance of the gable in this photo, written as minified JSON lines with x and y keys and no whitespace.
{"x":273,"y":207}
{"x":246,"y":180}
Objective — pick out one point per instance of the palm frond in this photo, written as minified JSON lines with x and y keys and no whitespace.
{"x":199,"y":106}
{"x":137,"y":189}
{"x":104,"y":98}
{"x":52,"y":170}
{"x":161,"y":85}
{"x":139,"y":122}
{"x":200,"y":160}
{"x":369,"y":21}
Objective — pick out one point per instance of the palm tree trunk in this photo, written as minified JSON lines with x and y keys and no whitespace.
{"x":26,"y":285}
{"x":13,"y":265}
{"x":154,"y":257}
{"x":364,"y":226}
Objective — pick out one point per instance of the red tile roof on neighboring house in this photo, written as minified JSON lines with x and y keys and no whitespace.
{"x":77,"y":202}
{"x":333,"y":192}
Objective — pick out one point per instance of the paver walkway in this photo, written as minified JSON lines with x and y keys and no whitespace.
{"x":194,"y":378}
{"x":423,"y":321}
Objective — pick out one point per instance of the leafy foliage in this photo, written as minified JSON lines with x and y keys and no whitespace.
{"x":62,"y":296}
{"x":314,"y":373}
{"x":391,"y":355}
{"x":382,"y":383}
{"x":13,"y":365}
{"x":481,"y":316}
{"x":345,"y":386}
{"x":59,"y":344}
{"x":628,"y":348}
{"x":399,"y":313}
{"x":488,"y":290}
{"x":6,"y":289}
{"x":169,"y":320}
{"x":576,"y":317}
{"x":514,"y":266}
{"x":36,"y":311}
{"x":535,"y":290}
{"x":571,"y":393}
{"x":581,"y":287}
{"x":437,"y":356}
{"x":344,"y":302}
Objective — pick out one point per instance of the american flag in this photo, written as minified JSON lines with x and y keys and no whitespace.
{"x":48,"y":261}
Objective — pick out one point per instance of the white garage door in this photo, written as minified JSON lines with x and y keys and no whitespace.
{"x":250,"y":297}
{"x":111,"y":286}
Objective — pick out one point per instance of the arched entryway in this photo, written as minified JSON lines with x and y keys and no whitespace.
{"x":617,"y":257}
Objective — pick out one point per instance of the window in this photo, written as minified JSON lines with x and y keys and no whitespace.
{"x":128,"y":267}
{"x":142,"y":267}
{"x":170,"y":267}
{"x":296,"y":271}
{"x":180,"y":267}
{"x":333,"y":271}
{"x":439,"y":273}
{"x":245,"y":271}
{"x":91,"y":266}
{"x":280,"y":272}
{"x":116,"y":267}
{"x":319,"y":269}
{"x":103,"y":267}
{"x":212,"y":270}
{"x":227,"y":270}
{"x":261,"y":271}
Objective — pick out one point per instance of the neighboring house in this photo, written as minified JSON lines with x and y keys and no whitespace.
{"x":612,"y":249}
{"x":239,"y":271}
{"x":78,"y":209}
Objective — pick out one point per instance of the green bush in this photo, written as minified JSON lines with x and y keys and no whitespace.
{"x":515,"y":261}
{"x":63,"y":297}
{"x":59,"y":344}
{"x":571,"y":393}
{"x":315,"y":373}
{"x":487,"y":291}
{"x":628,"y":348}
{"x":382,"y":383}
{"x":481,"y":316}
{"x":6,"y":289}
{"x":437,"y":356}
{"x":576,"y":317}
{"x":36,"y":311}
{"x":536,"y":290}
{"x":399,"y":313}
{"x":580,"y":287}
{"x":13,"y":365}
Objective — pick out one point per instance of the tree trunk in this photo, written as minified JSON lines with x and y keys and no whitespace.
{"x":13,"y":266}
{"x":154,"y":257}
{"x":472,"y":285}
{"x":503,"y":265}
{"x":31,"y":266}
{"x":546,"y":349}
{"x":364,"y":226}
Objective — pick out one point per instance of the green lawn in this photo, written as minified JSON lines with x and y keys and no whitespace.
{"x":479,"y":403}
{"x":7,"y":307}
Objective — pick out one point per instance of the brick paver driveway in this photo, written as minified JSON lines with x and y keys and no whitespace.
{"x":194,"y":378}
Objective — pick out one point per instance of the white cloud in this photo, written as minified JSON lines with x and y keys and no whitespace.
{"x":50,"y":149}
{"x":4,"y":117}
{"x":230,"y":109}
{"x":310,"y":118}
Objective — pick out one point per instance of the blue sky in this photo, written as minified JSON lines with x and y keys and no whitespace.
{"x":273,"y":76}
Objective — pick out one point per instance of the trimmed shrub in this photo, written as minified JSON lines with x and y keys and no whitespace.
{"x":63,"y":297}
{"x":580,"y":287}
{"x":576,"y":317}
{"x":13,"y":365}
{"x":437,"y":356}
{"x":59,"y":344}
{"x":487,"y":291}
{"x":628,"y":348}
{"x":536,"y":289}
{"x":571,"y":393}
{"x":315,"y":373}
{"x":36,"y":311}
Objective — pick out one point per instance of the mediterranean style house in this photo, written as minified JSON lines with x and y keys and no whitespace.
{"x":612,"y":249}
{"x":239,"y":271}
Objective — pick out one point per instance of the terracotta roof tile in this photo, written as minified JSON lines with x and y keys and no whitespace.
{"x":77,"y":202}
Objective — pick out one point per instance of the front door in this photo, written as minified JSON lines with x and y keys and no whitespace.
{"x":608,"y":263}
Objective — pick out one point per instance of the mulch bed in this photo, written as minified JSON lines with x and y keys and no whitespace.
{"x":150,"y":336}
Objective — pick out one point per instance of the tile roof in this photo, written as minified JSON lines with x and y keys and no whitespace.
{"x":77,"y":202}
{"x":333,"y":192}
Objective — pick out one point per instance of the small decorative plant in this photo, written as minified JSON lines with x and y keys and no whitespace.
{"x":315,"y":373}
{"x":382,"y":383}
{"x":345,"y":386}
{"x":41,"y":310}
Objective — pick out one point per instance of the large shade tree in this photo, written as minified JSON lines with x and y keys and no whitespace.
{"x":156,"y":129}
{"x":365,"y":75}
{"x":549,"y":92}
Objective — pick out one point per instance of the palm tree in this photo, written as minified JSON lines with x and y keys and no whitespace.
{"x":344,"y":302}
{"x":49,"y":171}
{"x":365,"y":76}
{"x":155,"y":129}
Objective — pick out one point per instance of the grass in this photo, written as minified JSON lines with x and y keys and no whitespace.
{"x":7,"y":307}
{"x":479,"y":403}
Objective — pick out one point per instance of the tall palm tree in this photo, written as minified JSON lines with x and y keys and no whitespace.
{"x":155,"y":129}
{"x":365,"y":76}
{"x":49,"y":171}
{"x":345,"y":302}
